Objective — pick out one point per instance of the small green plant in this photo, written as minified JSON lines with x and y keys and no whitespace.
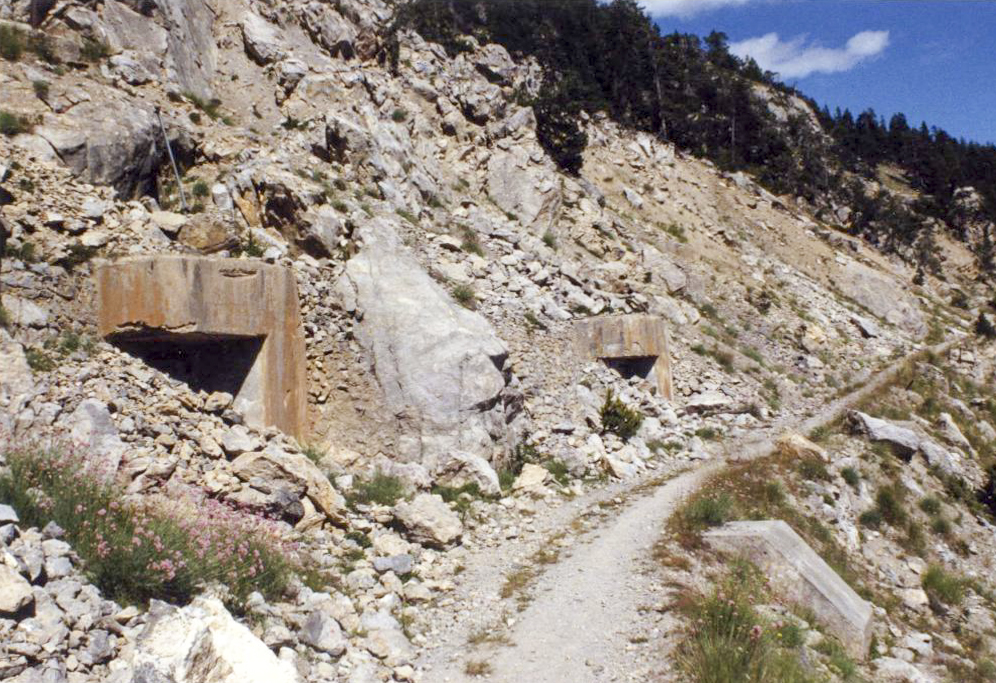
{"x":838,"y":658}
{"x":460,"y":497}
{"x":813,"y":469}
{"x":38,"y":359}
{"x":930,"y":505}
{"x":550,"y":239}
{"x":558,"y":470}
{"x":313,"y":452}
{"x":41,"y":89}
{"x":210,"y":107}
{"x":4,"y":318}
{"x":940,"y":526}
{"x":754,"y":355}
{"x":25,"y":252}
{"x":942,"y":587}
{"x":380,"y":489}
{"x":533,"y":322}
{"x":465,"y":296}
{"x":407,"y":215}
{"x":290,"y":123}
{"x":340,"y":206}
{"x":11,"y":43}
{"x":201,"y":189}
{"x":889,"y":502}
{"x":471,"y":243}
{"x":11,"y":124}
{"x":399,"y":115}
{"x":676,"y":231}
{"x":708,"y":511}
{"x":871,"y":518}
{"x":707,"y":433}
{"x":851,"y":477}
{"x":618,"y":418}
{"x":94,"y":50}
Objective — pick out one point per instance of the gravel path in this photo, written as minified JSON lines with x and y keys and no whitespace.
{"x":577,"y":626}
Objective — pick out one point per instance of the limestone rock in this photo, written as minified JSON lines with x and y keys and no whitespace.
{"x":274,"y":465}
{"x":881,"y":295}
{"x":800,"y":576}
{"x":90,"y":427}
{"x":441,"y":366}
{"x":904,"y":440}
{"x":202,"y":643}
{"x":16,"y":378}
{"x":795,"y":445}
{"x":429,"y":520}
{"x":15,"y":592}
{"x":519,"y":187}
{"x":531,"y":478}
{"x":322,"y":632}
{"x":262,"y":39}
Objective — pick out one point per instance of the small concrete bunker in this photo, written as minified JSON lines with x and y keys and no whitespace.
{"x":801,"y":576}
{"x":633,"y":345}
{"x":217,"y":324}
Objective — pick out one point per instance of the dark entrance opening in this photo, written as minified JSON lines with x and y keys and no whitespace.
{"x":640,"y":366}
{"x":209,"y":363}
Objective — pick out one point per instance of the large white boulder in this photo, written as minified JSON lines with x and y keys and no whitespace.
{"x":202,"y":643}
{"x":441,"y":366}
{"x":429,"y":521}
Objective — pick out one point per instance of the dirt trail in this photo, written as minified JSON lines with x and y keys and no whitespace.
{"x":575,"y":628}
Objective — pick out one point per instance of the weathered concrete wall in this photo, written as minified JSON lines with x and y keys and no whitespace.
{"x":801,"y":577}
{"x":163,"y":298}
{"x":622,"y":337}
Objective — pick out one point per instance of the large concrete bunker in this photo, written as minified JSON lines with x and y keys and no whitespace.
{"x":801,"y":576}
{"x":217,"y":324}
{"x":633,"y":345}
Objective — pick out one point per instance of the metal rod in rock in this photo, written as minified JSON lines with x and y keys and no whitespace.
{"x":172,"y":160}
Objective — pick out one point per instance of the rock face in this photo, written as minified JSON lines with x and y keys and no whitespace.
{"x":796,"y":445}
{"x":16,"y":379}
{"x":905,"y":441}
{"x":250,"y":308}
{"x":441,"y":366}
{"x":202,"y":643}
{"x":91,"y":427}
{"x":882,"y":296}
{"x":633,"y":344}
{"x":429,"y":520}
{"x":528,"y":191}
{"x":800,"y":576}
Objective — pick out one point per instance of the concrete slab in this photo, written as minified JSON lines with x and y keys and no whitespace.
{"x":233,"y":322}
{"x":801,"y":577}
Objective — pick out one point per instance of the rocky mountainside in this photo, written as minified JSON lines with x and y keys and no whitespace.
{"x":496,"y":357}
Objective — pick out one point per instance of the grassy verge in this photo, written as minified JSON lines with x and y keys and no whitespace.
{"x":730,"y":641}
{"x":166,"y":548}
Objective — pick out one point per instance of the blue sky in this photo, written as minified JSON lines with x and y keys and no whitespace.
{"x":933,"y":60}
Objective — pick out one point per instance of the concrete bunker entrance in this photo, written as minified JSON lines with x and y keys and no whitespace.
{"x":632,"y":345}
{"x":216,"y":324}
{"x":640,"y":366}
{"x":206,"y":363}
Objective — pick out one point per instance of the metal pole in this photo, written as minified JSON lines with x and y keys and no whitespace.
{"x":172,"y":160}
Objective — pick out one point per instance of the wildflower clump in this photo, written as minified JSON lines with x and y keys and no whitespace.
{"x":166,"y":547}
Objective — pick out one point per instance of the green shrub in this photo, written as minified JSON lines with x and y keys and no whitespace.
{"x":94,"y":50}
{"x":618,"y":418}
{"x":210,"y":107}
{"x":813,"y":469}
{"x":41,"y":89}
{"x":340,"y":206}
{"x":851,"y":477}
{"x":550,"y":239}
{"x":460,"y":497}
{"x":676,"y":231}
{"x":930,"y":505}
{"x":940,"y":526}
{"x":464,"y":295}
{"x":471,"y":243}
{"x":11,"y":43}
{"x":871,"y":518}
{"x":38,"y":360}
{"x":167,"y":548}
{"x":558,"y":470}
{"x":201,"y":189}
{"x":380,"y":489}
{"x":708,"y":511}
{"x":407,"y":215}
{"x":4,"y":318}
{"x":11,"y":124}
{"x":889,"y":502}
{"x":399,"y":115}
{"x":942,"y":587}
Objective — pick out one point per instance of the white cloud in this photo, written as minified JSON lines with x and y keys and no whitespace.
{"x":685,"y":8}
{"x":794,"y":59}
